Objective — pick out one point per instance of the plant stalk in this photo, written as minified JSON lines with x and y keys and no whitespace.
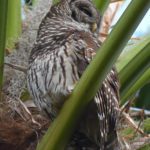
{"x":3,"y":22}
{"x":133,"y":71}
{"x":101,"y":5}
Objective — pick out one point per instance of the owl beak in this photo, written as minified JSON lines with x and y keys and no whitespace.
{"x":94,"y":27}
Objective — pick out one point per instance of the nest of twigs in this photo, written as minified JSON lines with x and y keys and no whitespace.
{"x":21,"y":129}
{"x":23,"y":126}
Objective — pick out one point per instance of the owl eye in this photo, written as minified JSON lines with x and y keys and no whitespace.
{"x":74,"y":15}
{"x":86,"y":11}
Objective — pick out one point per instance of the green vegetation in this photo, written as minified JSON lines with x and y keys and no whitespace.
{"x":128,"y":133}
{"x":146,"y":125}
{"x":3,"y":22}
{"x":13,"y":29}
{"x":128,"y":77}
{"x":101,"y":5}
{"x":145,"y":147}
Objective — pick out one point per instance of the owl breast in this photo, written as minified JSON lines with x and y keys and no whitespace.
{"x":55,"y":69}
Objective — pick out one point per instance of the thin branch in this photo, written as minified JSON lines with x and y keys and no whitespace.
{"x":17,"y":67}
{"x":130,"y":121}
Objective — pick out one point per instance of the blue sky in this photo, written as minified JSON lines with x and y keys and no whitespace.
{"x":144,"y":26}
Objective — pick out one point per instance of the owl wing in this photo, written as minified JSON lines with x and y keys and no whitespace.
{"x":106,"y":100}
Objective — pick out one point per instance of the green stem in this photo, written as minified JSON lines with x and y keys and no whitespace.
{"x":102,"y":5}
{"x":13,"y":22}
{"x":3,"y":20}
{"x":145,"y":78}
{"x":61,"y":129}
{"x":130,"y":52}
{"x":134,"y":70}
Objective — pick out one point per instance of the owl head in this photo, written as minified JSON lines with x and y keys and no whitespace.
{"x":84,"y":11}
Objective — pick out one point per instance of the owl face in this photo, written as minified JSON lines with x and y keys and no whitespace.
{"x":83,"y":11}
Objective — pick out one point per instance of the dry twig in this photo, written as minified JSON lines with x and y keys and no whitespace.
{"x":131,"y":123}
{"x":17,"y":67}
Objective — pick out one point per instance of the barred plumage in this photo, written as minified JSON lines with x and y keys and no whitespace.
{"x":67,"y":40}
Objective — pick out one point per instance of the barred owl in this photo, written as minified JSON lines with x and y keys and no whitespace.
{"x":66,"y":42}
